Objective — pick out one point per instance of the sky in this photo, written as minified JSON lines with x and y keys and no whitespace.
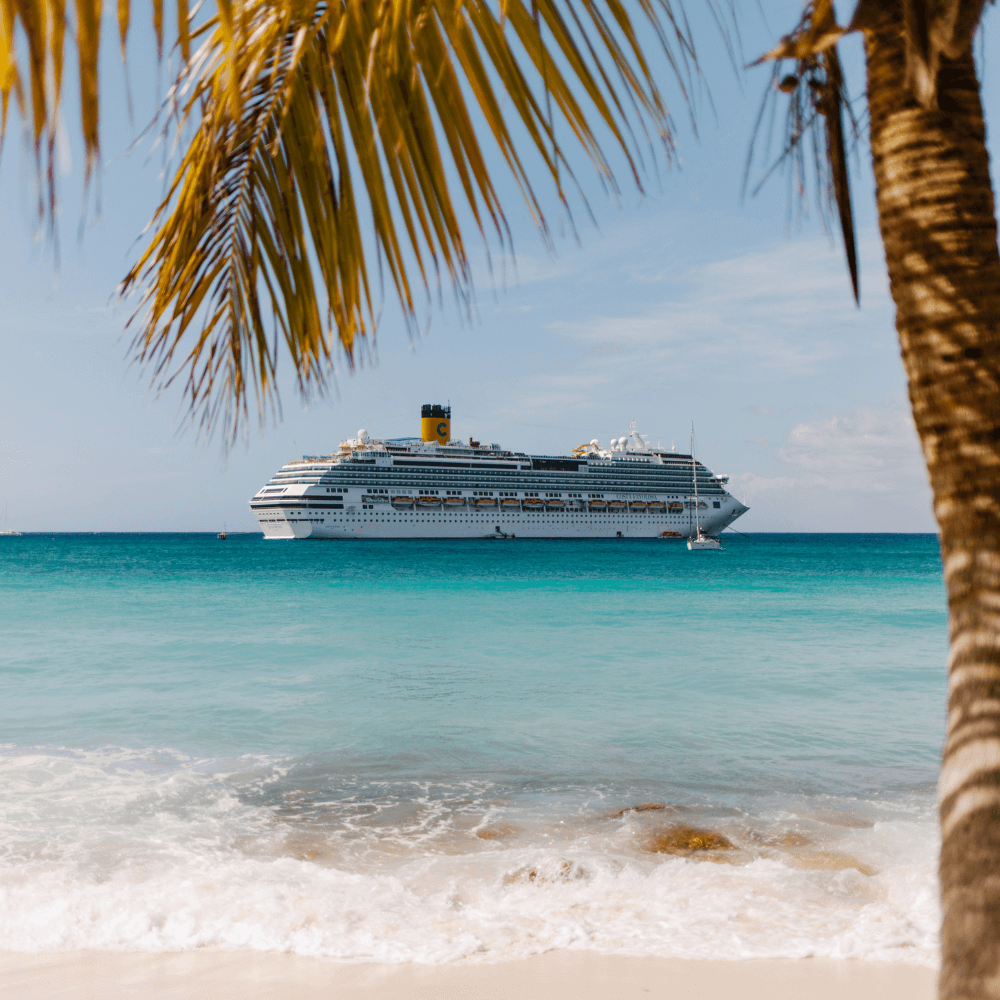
{"x":684,"y":303}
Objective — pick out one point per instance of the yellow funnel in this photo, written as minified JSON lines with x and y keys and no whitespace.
{"x":435,"y":423}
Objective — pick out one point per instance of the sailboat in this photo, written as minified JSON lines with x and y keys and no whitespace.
{"x":223,"y":535}
{"x":6,"y":530}
{"x":700,"y":540}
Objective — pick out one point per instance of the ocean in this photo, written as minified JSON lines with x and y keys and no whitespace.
{"x":433,"y":751}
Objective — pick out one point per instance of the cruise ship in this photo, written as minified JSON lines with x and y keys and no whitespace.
{"x":433,"y":487}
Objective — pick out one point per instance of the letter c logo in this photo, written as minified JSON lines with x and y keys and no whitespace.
{"x":442,"y":429}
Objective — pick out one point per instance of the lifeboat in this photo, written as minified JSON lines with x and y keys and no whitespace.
{"x":675,"y":505}
{"x":510,"y":503}
{"x":454,"y":501}
{"x":402,"y":501}
{"x":533,"y":503}
{"x":656,"y":506}
{"x":701,"y":505}
{"x":484,"y":502}
{"x":598,"y":505}
{"x":639,"y":505}
{"x":428,"y":501}
{"x":616,"y":505}
{"x":670,"y":534}
{"x":555,"y":504}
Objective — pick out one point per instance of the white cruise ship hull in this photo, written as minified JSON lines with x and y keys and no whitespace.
{"x":388,"y":523}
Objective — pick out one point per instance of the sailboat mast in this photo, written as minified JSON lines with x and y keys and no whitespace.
{"x":694,"y":475}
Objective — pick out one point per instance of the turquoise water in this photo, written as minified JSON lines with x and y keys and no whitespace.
{"x":393,"y":733}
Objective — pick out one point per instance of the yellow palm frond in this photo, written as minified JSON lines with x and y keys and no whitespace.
{"x":38,"y":28}
{"x":319,"y":123}
{"x":325,"y":131}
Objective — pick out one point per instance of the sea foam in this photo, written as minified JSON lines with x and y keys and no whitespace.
{"x":149,"y":851}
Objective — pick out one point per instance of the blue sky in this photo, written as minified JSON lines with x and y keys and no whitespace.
{"x":684,"y":304}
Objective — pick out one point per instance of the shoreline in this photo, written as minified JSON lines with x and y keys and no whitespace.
{"x":559,"y":975}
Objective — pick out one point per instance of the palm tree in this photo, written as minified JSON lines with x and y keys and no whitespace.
{"x":292,"y":103}
{"x":936,"y":214}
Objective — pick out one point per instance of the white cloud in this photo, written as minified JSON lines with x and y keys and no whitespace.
{"x":861,"y":471}
{"x":784,"y":310}
{"x":866,"y":451}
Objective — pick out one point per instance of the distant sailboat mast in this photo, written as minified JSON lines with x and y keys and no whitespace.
{"x":694,"y":475}
{"x":700,"y":539}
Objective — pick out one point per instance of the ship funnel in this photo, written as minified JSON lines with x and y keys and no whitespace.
{"x":435,"y":423}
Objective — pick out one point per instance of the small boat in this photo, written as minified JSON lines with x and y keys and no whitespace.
{"x":555,"y":504}
{"x":485,"y":502}
{"x":670,"y":534}
{"x":617,"y":505}
{"x":598,"y":505}
{"x":8,"y":532}
{"x":402,"y":501}
{"x":454,"y":501}
{"x":533,"y":503}
{"x":656,"y":506}
{"x":675,"y":505}
{"x":510,"y":503}
{"x":428,"y":501}
{"x":703,"y":541}
{"x":639,"y":505}
{"x":222,"y":534}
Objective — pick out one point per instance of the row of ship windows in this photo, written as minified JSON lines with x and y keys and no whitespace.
{"x":565,"y":487}
{"x":490,"y":514}
{"x":286,"y":476}
{"x":458,"y":493}
{"x":479,"y":517}
{"x":554,"y":490}
{"x":707,"y":479}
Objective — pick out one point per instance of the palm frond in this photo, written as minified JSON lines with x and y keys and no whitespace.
{"x":38,"y":29}
{"x":326,"y":130}
{"x":814,"y":118}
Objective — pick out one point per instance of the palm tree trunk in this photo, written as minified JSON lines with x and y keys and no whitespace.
{"x":935,"y":206}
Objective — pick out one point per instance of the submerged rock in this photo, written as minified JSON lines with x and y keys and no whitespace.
{"x":496,"y":832}
{"x":641,"y":807}
{"x":829,"y":861}
{"x":790,"y":838}
{"x":685,"y":840}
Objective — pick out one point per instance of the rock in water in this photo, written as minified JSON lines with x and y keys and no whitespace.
{"x":640,"y":808}
{"x":688,"y":840}
{"x":496,"y":832}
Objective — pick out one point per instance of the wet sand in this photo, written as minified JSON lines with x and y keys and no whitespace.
{"x":559,"y":975}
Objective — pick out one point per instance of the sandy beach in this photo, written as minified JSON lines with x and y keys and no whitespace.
{"x":220,"y":975}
